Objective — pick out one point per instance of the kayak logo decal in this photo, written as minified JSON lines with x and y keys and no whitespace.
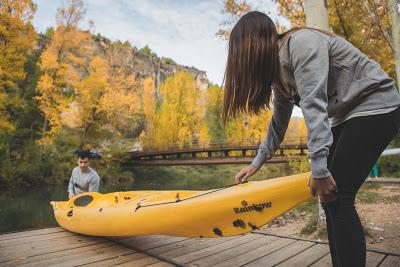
{"x":254,"y":207}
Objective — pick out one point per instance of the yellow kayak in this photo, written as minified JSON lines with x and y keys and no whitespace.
{"x":219,"y":212}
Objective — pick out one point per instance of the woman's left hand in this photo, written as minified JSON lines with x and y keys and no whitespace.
{"x":325,"y":188}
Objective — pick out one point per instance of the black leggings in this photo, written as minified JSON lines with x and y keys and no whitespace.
{"x":357,"y":145}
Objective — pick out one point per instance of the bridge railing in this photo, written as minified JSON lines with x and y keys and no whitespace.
{"x":220,"y":144}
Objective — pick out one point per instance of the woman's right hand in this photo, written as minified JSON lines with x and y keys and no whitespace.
{"x":244,"y":174}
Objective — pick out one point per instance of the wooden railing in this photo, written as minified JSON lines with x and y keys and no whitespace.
{"x":219,"y":144}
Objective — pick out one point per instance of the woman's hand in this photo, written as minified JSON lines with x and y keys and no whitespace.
{"x":244,"y":174}
{"x":325,"y":188}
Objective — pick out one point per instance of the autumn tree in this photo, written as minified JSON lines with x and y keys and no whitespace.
{"x":179,"y":120}
{"x":63,"y":64}
{"x":17,"y":40}
{"x":235,"y":9}
{"x":149,"y":110}
{"x":386,"y":16}
{"x":213,"y":113}
{"x":119,"y":57}
{"x":102,"y":105}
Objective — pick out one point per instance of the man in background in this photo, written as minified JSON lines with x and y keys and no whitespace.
{"x":83,"y":178}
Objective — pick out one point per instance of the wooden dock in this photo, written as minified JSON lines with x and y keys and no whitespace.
{"x":57,"y":247}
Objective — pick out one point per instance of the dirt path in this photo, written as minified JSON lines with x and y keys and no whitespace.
{"x":377,"y":206}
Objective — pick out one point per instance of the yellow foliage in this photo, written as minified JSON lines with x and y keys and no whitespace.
{"x":62,"y":63}
{"x":104,"y":103}
{"x":5,"y":125}
{"x":249,"y":128}
{"x":297,"y":131}
{"x":149,"y":100}
{"x":293,"y":10}
{"x":18,"y":38}
{"x":180,"y":121}
{"x":22,"y":9}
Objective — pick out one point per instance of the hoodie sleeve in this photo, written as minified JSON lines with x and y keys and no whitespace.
{"x":94,"y":183}
{"x":309,"y":55}
{"x":276,"y":130}
{"x":71,"y":183}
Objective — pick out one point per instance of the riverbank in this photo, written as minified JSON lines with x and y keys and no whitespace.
{"x":377,"y":205}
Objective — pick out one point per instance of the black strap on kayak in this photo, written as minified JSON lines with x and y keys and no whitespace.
{"x":180,"y":200}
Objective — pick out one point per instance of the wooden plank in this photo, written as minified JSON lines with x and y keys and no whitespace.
{"x":161,"y":264}
{"x":256,"y":253}
{"x":391,"y":261}
{"x":31,"y":239}
{"x":281,"y":254}
{"x":50,"y":260}
{"x":74,"y":251}
{"x":323,"y":262}
{"x":42,"y":247}
{"x":140,"y":262}
{"x":8,"y":236}
{"x":374,"y":259}
{"x":174,"y":246}
{"x":117,"y":260}
{"x":139,"y":240}
{"x":144,"y":243}
{"x":203,"y":243}
{"x":51,"y":242}
{"x":93,"y":256}
{"x":215,"y":249}
{"x":307,"y":257}
{"x":233,"y":252}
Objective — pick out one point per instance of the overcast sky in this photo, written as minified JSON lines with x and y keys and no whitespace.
{"x":183,"y":30}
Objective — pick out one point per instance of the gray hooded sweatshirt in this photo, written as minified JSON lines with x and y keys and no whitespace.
{"x":329,"y":78}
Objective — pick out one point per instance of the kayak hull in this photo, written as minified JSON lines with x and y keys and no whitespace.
{"x":227,"y":211}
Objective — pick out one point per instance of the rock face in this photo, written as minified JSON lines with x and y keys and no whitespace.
{"x":143,"y":64}
{"x":140,"y":64}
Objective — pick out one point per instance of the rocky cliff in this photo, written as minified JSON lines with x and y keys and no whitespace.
{"x":142,"y":63}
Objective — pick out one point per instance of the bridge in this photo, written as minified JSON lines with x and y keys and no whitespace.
{"x":219,"y":152}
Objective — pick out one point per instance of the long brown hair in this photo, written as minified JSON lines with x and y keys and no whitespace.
{"x":252,"y":65}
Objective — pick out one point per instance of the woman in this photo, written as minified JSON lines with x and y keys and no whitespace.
{"x":326,"y":77}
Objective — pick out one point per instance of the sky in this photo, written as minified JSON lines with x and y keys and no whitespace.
{"x":183,"y":30}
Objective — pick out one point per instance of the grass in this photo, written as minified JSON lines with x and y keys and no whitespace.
{"x":394,"y":198}
{"x":311,"y":208}
{"x":311,"y":225}
{"x":307,"y":207}
{"x":370,"y":186}
{"x":367,"y":197}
